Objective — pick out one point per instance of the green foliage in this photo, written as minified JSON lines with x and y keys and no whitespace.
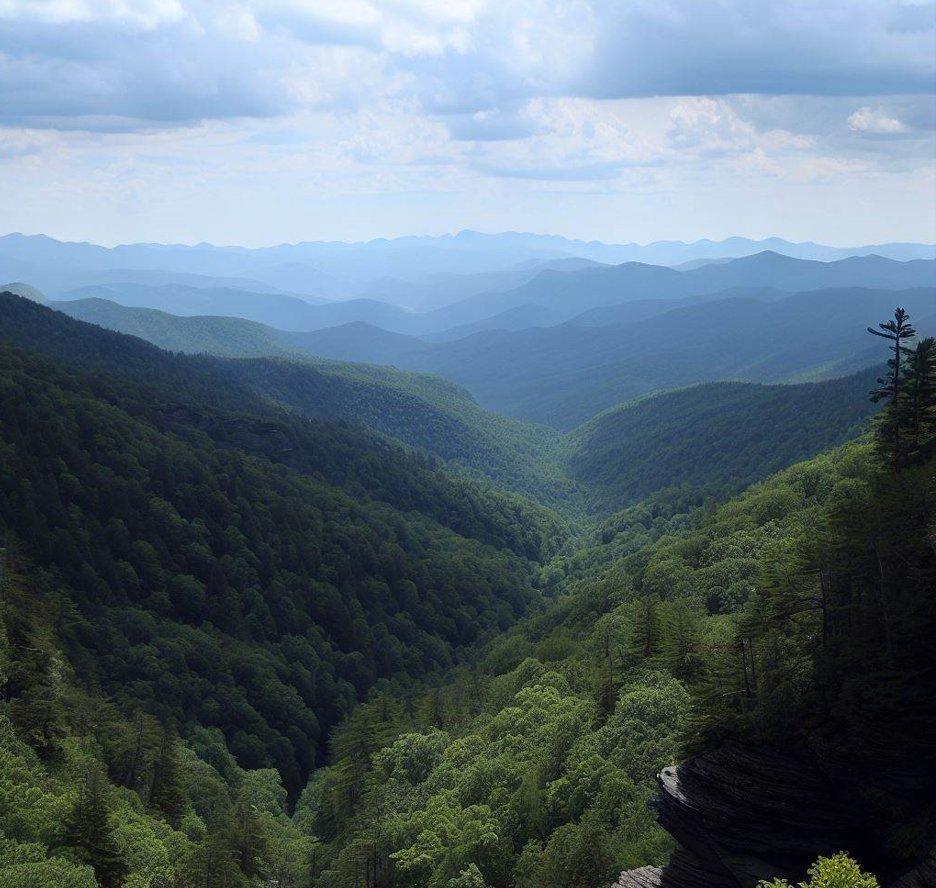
{"x":536,"y":767}
{"x":907,"y":427}
{"x":719,"y":438}
{"x":202,"y":555}
{"x":89,"y":832}
{"x":421,"y":410}
{"x":838,"y":871}
{"x":55,"y":872}
{"x":272,"y":610}
{"x":469,"y":878}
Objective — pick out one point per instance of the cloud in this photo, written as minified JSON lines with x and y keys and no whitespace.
{"x":708,"y":127}
{"x":154,"y":63}
{"x":144,"y":14}
{"x":221,"y":105}
{"x":569,"y":140}
{"x":875,"y":122}
{"x":164,"y":62}
{"x":567,"y":173}
{"x":20,"y":144}
{"x":839,"y":47}
{"x":495,"y":124}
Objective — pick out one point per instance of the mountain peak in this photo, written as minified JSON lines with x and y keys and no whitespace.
{"x":27,"y":291}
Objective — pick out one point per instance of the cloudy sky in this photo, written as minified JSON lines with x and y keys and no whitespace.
{"x":260,"y":121}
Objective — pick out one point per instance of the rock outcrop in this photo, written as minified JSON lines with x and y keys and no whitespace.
{"x":742,"y":814}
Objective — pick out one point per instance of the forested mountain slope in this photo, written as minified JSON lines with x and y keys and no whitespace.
{"x":219,"y":575}
{"x":716,"y":438}
{"x":225,"y":336}
{"x":562,"y":376}
{"x":196,"y":541}
{"x":763,"y":621}
{"x":631,"y":452}
{"x":420,"y":410}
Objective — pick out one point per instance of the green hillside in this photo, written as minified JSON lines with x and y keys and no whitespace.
{"x":629,"y":452}
{"x":201,"y":334}
{"x":717,"y":438}
{"x":759,"y":621}
{"x":307,"y":559}
{"x":421,"y":410}
{"x":535,"y":763}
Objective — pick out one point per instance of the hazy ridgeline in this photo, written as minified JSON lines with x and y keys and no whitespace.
{"x":411,"y":563}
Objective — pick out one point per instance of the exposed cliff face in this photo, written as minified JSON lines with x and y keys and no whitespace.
{"x":741,"y":814}
{"x":922,"y":876}
{"x":684,"y":870}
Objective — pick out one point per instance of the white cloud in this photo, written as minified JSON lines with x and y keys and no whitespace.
{"x":568,"y":139}
{"x":708,"y":126}
{"x":874,"y":121}
{"x":146,"y":14}
{"x":62,"y":59}
{"x":312,"y":98}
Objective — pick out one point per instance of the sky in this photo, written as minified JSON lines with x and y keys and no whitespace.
{"x":263,"y":121}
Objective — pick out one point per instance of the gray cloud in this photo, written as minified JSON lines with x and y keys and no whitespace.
{"x":490,"y":126}
{"x":71,"y":75}
{"x":841,"y":47}
{"x":199,"y":64}
{"x":585,"y":173}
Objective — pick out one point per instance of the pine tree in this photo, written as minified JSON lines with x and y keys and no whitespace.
{"x":681,"y":644}
{"x":136,"y":754}
{"x":88,"y":831}
{"x":246,"y":840}
{"x":918,"y":398}
{"x":166,"y":792}
{"x":898,"y":331}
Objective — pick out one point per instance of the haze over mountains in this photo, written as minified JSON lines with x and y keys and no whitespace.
{"x":346,"y":270}
{"x":542,"y":329}
{"x":542,"y":337}
{"x":316,"y":493}
{"x":562,"y":348}
{"x":554,"y":342}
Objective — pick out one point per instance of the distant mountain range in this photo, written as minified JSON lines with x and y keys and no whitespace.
{"x":665,"y":440}
{"x":545,"y":298}
{"x":552,"y":341}
{"x":414,"y":272}
{"x":563,"y":375}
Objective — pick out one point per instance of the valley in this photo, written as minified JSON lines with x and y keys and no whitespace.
{"x":423,"y":590}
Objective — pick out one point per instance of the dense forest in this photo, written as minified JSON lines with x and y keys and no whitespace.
{"x":681,"y":437}
{"x":672,"y":438}
{"x":248,"y":642}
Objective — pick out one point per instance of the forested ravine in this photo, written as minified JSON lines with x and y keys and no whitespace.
{"x":242,"y":645}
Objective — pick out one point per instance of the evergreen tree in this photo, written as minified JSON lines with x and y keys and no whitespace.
{"x":898,"y":331}
{"x":247,"y":841}
{"x":88,"y":831}
{"x":918,"y":398}
{"x":681,"y":644}
{"x":167,"y":793}
{"x":135,"y":758}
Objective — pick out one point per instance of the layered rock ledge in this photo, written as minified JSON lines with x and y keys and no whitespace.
{"x":741,"y":814}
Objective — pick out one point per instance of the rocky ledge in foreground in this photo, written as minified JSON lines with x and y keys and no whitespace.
{"x":741,"y":814}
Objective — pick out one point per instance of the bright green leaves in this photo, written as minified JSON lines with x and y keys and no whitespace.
{"x":444,"y":839}
{"x":838,"y":871}
{"x":52,"y":873}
